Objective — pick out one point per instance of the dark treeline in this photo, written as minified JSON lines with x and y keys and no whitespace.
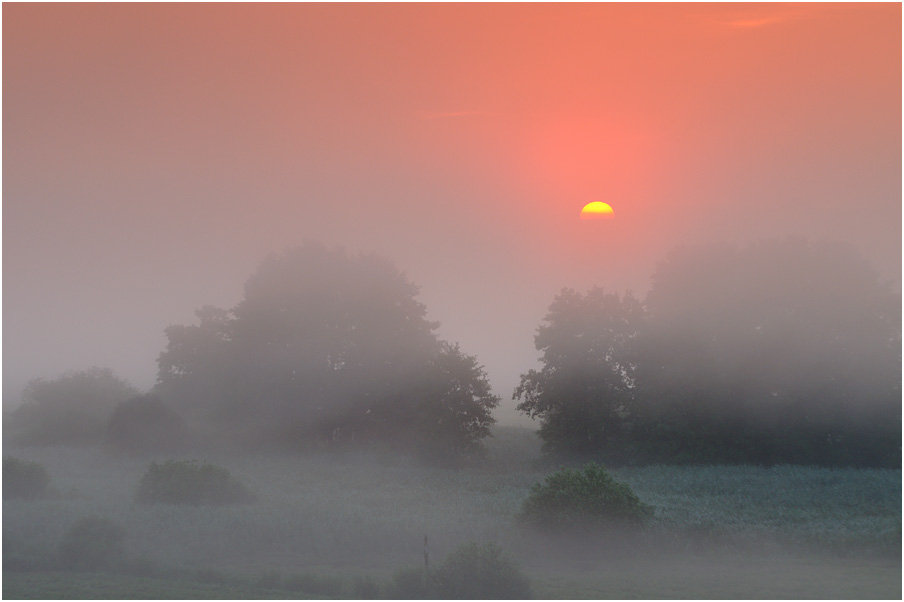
{"x":780,"y":352}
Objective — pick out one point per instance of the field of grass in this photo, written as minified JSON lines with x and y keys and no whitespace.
{"x":321,"y":522}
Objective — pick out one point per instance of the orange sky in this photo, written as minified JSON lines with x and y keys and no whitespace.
{"x":153,"y":154}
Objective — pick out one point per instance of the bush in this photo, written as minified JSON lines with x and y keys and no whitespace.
{"x":92,"y":543}
{"x":144,"y":424}
{"x":476,"y":571}
{"x":577,"y":499}
{"x":471,"y":572}
{"x":186,"y":482}
{"x":23,"y":479}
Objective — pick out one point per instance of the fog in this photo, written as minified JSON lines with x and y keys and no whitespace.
{"x":154,"y":155}
{"x":334,"y":253}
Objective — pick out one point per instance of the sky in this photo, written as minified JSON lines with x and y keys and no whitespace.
{"x":153,"y":154}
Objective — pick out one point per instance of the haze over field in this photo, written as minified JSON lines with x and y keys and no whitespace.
{"x":154,"y":154}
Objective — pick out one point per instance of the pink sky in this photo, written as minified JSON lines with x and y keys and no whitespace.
{"x":153,"y":154}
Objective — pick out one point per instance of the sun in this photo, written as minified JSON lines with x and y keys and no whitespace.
{"x":597,"y":210}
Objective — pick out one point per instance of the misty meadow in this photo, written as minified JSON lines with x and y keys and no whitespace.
{"x":452,"y":300}
{"x":320,"y":440}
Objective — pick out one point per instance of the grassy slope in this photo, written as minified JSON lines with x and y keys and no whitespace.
{"x":719,"y":532}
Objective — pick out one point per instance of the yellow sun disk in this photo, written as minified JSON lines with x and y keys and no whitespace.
{"x":597,"y":210}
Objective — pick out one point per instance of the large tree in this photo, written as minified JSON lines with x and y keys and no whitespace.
{"x":784,"y":351}
{"x":325,"y":347}
{"x":584,"y":392}
{"x":781,"y":351}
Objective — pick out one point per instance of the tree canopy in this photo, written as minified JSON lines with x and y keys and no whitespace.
{"x":327,"y":347}
{"x":782,"y":351}
{"x":585,"y":390}
{"x":71,"y":409}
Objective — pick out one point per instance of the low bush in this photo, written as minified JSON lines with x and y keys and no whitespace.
{"x":92,"y":543}
{"x":480,"y":571}
{"x":187,"y":482}
{"x":578,"y":499}
{"x":23,"y":479}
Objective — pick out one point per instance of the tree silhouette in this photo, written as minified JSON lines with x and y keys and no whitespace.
{"x":781,"y":351}
{"x":72,"y":409}
{"x":584,"y":392}
{"x":327,"y":348}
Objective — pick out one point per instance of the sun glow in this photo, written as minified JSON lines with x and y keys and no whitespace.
{"x":597,"y":210}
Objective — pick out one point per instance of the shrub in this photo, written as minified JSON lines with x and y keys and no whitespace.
{"x":23,"y":479}
{"x":471,"y":572}
{"x":187,"y":482}
{"x":577,"y":499}
{"x":475,"y":571}
{"x":144,"y":424}
{"x":92,"y":543}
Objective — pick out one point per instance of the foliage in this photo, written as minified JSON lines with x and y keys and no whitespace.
{"x":72,"y":409}
{"x":584,"y":391}
{"x":326,"y":349}
{"x":92,"y":543}
{"x":470,"y":572}
{"x":480,"y":572}
{"x":144,"y":424}
{"x":187,"y":482}
{"x":194,"y":370}
{"x":363,"y":512}
{"x":448,"y":408}
{"x":784,"y":351}
{"x":579,"y":499}
{"x":23,"y":479}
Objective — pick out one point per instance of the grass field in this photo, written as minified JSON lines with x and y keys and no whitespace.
{"x":322,"y":523}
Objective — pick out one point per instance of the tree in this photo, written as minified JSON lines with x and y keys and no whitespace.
{"x":72,"y":409}
{"x":193,"y":371}
{"x":325,"y":348}
{"x":584,"y":392}
{"x":454,"y":405}
{"x":144,"y":424}
{"x":782,"y":351}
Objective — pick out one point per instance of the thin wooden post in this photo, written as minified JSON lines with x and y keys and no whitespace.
{"x":426,"y":569}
